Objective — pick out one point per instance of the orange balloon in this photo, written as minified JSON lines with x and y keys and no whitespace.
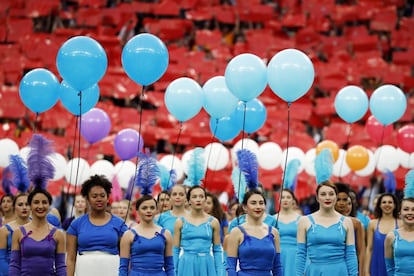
{"x":328,"y":144}
{"x":357,"y":158}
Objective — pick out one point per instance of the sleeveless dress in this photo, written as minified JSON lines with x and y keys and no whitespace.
{"x":5,"y":256}
{"x":269,"y":220}
{"x":403,"y":256}
{"x":147,"y":255}
{"x":256,"y":255}
{"x":326,"y":249}
{"x":287,"y":232}
{"x":377,"y":266}
{"x":196,"y":246}
{"x":166,"y":220}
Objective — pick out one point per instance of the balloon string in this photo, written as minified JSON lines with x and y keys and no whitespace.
{"x":286,"y":160}
{"x":72,"y":163}
{"x":174,"y":150}
{"x":242,"y":147}
{"x":35,"y":122}
{"x":348,"y":137}
{"x":209,"y":152}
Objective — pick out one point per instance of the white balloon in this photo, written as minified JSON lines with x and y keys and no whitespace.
{"x":173,"y":162}
{"x":7,"y":148}
{"x":123,"y":171}
{"x":293,"y":153}
{"x":310,"y":161}
{"x":103,"y":167}
{"x":406,"y":159}
{"x":387,"y":158}
{"x":60,"y":164}
{"x":245,"y":143}
{"x":370,"y":167}
{"x":184,"y":159}
{"x":341,"y":168}
{"x":77,"y":171}
{"x":269,"y":155}
{"x":217,"y":156}
{"x":24,"y":153}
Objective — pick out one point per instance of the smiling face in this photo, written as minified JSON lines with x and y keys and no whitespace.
{"x":255,"y":206}
{"x":40,"y":205}
{"x":407,"y":212}
{"x":97,"y":198}
{"x":326,"y":197}
{"x":387,"y":205}
{"x":147,"y":210}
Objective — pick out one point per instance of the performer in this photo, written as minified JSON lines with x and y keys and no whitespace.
{"x":213,"y":207}
{"x":254,"y":244}
{"x":7,"y":199}
{"x":125,"y":211}
{"x":80,"y":209}
{"x":92,"y":239}
{"x":163,"y":202}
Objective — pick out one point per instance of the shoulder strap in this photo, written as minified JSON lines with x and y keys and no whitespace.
{"x":162,"y":231}
{"x":23,"y":230}
{"x":242,"y":230}
{"x":311,"y":219}
{"x":270,"y":229}
{"x":133,"y":231}
{"x":396,"y":224}
{"x":210,"y":218}
{"x":9,"y":228}
{"x":51,"y":233}
{"x":396,"y":234}
{"x":342,"y":219}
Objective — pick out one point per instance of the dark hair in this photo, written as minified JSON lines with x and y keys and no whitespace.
{"x":410,"y":199}
{"x":291,"y":193}
{"x":217,"y":210}
{"x":7,"y":195}
{"x":327,"y":184}
{"x":193,"y":188}
{"x":142,"y":199}
{"x":355,"y":203}
{"x":378,"y":211}
{"x":249,"y":193}
{"x":165,"y":192}
{"x":17,"y":197}
{"x":39,"y":191}
{"x":96,"y":180}
{"x":342,"y":187}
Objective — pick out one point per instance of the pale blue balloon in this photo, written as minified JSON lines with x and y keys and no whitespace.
{"x":351,"y":103}
{"x":82,"y":62}
{"x":245,"y":76}
{"x":290,"y":74}
{"x":183,"y":98}
{"x":388,"y":104}
{"x":145,"y":58}
{"x":39,"y":90}
{"x":225,"y":128}
{"x":218,"y":100}
{"x":253,"y":113}
{"x":78,"y":102}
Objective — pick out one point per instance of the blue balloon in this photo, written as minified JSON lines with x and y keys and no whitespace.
{"x":246,"y":76}
{"x":218,"y":100}
{"x":255,"y":115}
{"x":290,"y":74}
{"x":351,"y":103}
{"x":76,"y":102}
{"x":388,"y":104}
{"x":145,"y":58}
{"x":39,"y":90}
{"x":183,"y":98}
{"x":225,"y":128}
{"x":82,"y":62}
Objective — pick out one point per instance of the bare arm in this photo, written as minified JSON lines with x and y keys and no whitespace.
{"x":125,"y":244}
{"x":350,"y":236}
{"x":3,"y":237}
{"x":216,"y":231}
{"x":177,"y":232}
{"x":72,"y":248}
{"x":168,"y":243}
{"x":60,"y":242}
{"x":276,"y":239}
{"x":368,"y":255}
{"x":388,"y":246}
{"x":360,"y":244}
{"x":233,"y":241}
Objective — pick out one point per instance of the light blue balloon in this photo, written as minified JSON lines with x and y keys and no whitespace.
{"x":82,"y":62}
{"x":39,"y":90}
{"x":388,"y":104}
{"x":351,"y":103}
{"x":183,"y":98}
{"x":290,"y":74}
{"x":76,"y":102}
{"x":254,"y":118}
{"x":218,"y":100}
{"x":145,"y":58}
{"x":225,"y":128}
{"x":245,"y":76}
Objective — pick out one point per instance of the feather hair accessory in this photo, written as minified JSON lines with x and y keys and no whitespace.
{"x":116,"y":194}
{"x":19,"y":170}
{"x":147,"y":174}
{"x":130,"y":189}
{"x":40,"y":168}
{"x":7,"y":181}
{"x":409,"y":185}
{"x":292,"y":168}
{"x":390,"y":183}
{"x":168,"y":178}
{"x":323,"y":166}
{"x":239,"y":183}
{"x":248,"y":164}
{"x":196,"y":168}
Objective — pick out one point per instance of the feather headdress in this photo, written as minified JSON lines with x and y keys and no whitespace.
{"x":409,"y":185}
{"x":19,"y":170}
{"x":168,"y":178}
{"x":116,"y":193}
{"x":40,"y":168}
{"x":290,"y":178}
{"x":130,"y":189}
{"x":239,"y":183}
{"x":248,"y":164}
{"x":390,"y":183}
{"x":147,"y":174}
{"x":323,"y":166}
{"x":7,"y":181}
{"x":196,"y":168}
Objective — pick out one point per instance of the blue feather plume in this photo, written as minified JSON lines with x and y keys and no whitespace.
{"x":7,"y":181}
{"x":248,"y":164}
{"x":409,"y":185}
{"x":323,"y":166}
{"x":291,"y":173}
{"x":19,"y":169}
{"x":168,"y":178}
{"x":196,"y":168}
{"x":147,"y":174}
{"x":130,"y":189}
{"x":390,"y":183}
{"x":40,"y":168}
{"x":239,"y":183}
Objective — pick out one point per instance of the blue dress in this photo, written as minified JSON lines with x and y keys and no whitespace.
{"x":256,"y":255}
{"x":147,"y":255}
{"x":196,"y":245}
{"x":377,"y":266}
{"x":166,"y":220}
{"x":326,"y":249}
{"x":403,"y":256}
{"x":269,"y":220}
{"x":5,"y":255}
{"x":288,"y":232}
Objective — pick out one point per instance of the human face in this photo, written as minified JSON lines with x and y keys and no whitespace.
{"x":164,"y":203}
{"x":342,"y":203}
{"x":6,"y":204}
{"x":326,"y":197}
{"x":233,"y":210}
{"x":209,"y":205}
{"x":387,"y":205}
{"x":80,"y":203}
{"x":197,"y":199}
{"x":123,"y":209}
{"x":287,"y":200}
{"x":97,"y":198}
{"x":115,"y":208}
{"x":40,"y":205}
{"x":255,"y":206}
{"x":147,"y":210}
{"x":178,"y":196}
{"x":21,"y":207}
{"x":407,"y":212}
